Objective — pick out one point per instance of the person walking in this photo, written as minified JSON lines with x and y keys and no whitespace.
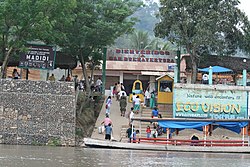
{"x":118,"y":89}
{"x":129,"y":132}
{"x":133,"y":99}
{"x":108,"y":132}
{"x":123,"y":104}
{"x":106,"y":121}
{"x":108,"y":105}
{"x":131,"y":115}
{"x":137,"y":104}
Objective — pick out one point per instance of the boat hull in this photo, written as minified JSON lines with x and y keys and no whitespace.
{"x":89,"y":142}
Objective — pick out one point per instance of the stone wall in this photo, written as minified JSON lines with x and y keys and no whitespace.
{"x":37,"y":112}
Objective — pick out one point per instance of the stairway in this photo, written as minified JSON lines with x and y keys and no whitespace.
{"x":146,"y":113}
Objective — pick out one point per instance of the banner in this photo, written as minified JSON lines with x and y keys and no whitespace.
{"x":140,"y":55}
{"x":210,"y":103}
{"x":38,"y":56}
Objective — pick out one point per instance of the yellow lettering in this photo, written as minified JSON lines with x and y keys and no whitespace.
{"x":178,"y":106}
{"x":226,"y":108}
{"x":194,"y":107}
{"x":237,"y":109}
{"x":205,"y":107}
{"x":217,"y":108}
{"x":187,"y":106}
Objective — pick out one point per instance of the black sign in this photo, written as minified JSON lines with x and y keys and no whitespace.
{"x":41,"y":57}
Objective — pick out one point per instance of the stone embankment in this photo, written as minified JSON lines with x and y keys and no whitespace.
{"x":37,"y":112}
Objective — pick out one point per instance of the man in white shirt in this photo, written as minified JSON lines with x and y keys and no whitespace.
{"x":146,"y":98}
{"x":131,"y":115}
{"x":205,"y":79}
{"x":98,"y":84}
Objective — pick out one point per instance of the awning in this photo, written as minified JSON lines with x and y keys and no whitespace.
{"x":216,"y":69}
{"x":234,"y":125}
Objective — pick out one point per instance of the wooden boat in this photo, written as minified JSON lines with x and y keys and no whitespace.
{"x":97,"y":143}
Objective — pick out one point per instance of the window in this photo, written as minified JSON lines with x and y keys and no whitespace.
{"x":166,"y":86}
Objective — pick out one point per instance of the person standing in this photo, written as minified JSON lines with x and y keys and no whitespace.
{"x":123,"y":104}
{"x":147,"y":98}
{"x":129,"y":132}
{"x":52,"y":78}
{"x":155,"y":113}
{"x":134,"y":135}
{"x":152,"y":100}
{"x":98,"y":84}
{"x":114,"y":90}
{"x":148,"y":131}
{"x":15,"y":74}
{"x":108,"y":132}
{"x":76,"y":81}
{"x":68,"y":78}
{"x":205,"y":79}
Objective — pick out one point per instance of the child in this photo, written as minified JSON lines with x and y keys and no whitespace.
{"x":148,"y":131}
{"x":134,"y":135}
{"x":108,"y":131}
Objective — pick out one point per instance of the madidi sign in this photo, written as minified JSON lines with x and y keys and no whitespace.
{"x":38,"y":56}
{"x":140,"y":55}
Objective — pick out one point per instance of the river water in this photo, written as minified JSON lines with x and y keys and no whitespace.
{"x":36,"y":156}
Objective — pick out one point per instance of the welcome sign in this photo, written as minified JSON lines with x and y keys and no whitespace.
{"x":38,"y":56}
{"x":210,"y":103}
{"x":142,"y":55}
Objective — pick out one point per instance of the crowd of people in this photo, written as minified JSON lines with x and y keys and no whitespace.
{"x":119,"y":95}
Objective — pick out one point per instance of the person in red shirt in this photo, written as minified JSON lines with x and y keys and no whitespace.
{"x":148,"y":131}
{"x":106,"y":121}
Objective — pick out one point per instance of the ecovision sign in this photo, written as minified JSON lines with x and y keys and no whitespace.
{"x":38,"y":56}
{"x":210,"y":103}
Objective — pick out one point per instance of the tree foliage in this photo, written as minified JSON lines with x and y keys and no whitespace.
{"x":203,"y":27}
{"x":22,"y":21}
{"x":96,"y":24}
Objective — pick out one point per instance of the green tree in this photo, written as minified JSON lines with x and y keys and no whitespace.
{"x":23,"y":21}
{"x":202,"y":27}
{"x":96,"y":24}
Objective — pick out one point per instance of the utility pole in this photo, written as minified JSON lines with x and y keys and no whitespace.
{"x":178,"y":65}
{"x":104,"y":58}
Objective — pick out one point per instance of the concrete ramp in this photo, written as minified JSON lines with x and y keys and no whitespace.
{"x":115,"y":115}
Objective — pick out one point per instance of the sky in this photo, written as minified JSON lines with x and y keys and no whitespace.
{"x":244,"y":6}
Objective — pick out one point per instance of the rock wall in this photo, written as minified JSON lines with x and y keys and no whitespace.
{"x":37,"y":112}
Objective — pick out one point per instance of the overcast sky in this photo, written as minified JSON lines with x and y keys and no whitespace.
{"x":245,"y":4}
